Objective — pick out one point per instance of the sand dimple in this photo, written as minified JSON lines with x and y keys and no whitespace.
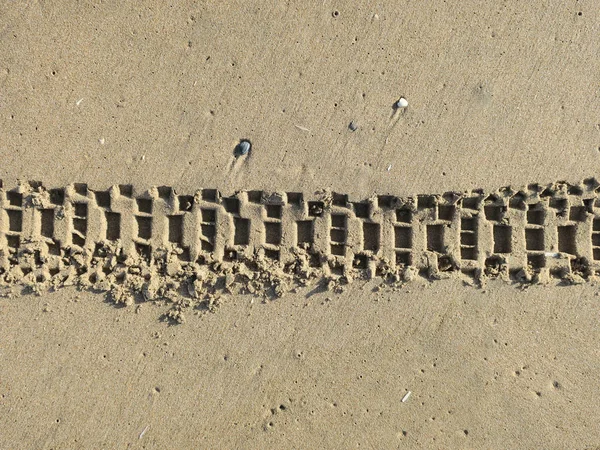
{"x":191,"y":249}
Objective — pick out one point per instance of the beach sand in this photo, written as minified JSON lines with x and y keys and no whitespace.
{"x":158,"y":94}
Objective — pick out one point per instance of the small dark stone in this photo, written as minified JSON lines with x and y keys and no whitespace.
{"x":243,"y":148}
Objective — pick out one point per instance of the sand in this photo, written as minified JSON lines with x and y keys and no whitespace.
{"x":97,"y":97}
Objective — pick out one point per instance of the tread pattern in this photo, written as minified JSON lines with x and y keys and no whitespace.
{"x":530,"y":233}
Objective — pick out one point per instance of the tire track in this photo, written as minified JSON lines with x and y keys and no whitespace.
{"x":159,"y":243}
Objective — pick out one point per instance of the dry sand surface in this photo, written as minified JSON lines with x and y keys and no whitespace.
{"x":429,"y":346}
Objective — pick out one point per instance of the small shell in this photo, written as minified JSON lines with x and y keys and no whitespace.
{"x":402,"y":103}
{"x":243,"y":148}
{"x":405,"y":398}
{"x":353,"y":126}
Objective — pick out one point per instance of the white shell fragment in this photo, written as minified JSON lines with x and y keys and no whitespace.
{"x":552,"y":255}
{"x":143,"y":432}
{"x":405,"y":398}
{"x":402,"y":103}
{"x":302,"y":128}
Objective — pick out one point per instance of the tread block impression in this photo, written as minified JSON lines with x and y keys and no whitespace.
{"x":47,"y":222}
{"x":402,"y":237}
{"x":304,"y":232}
{"x":468,"y":238}
{"x":371,"y":236}
{"x":15,"y":220}
{"x":144,"y":205}
{"x":435,"y":238}
{"x":144,"y":227}
{"x":185,"y":203}
{"x":113,"y":225}
{"x":14,"y":198}
{"x":273,"y":233}
{"x":79,"y":220}
{"x":502,"y":238}
{"x":208,"y":217}
{"x":102,"y":199}
{"x":176,"y":229}
{"x":337,"y":234}
{"x":362,"y":210}
{"x":567,"y":239}
{"x":242,"y":231}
